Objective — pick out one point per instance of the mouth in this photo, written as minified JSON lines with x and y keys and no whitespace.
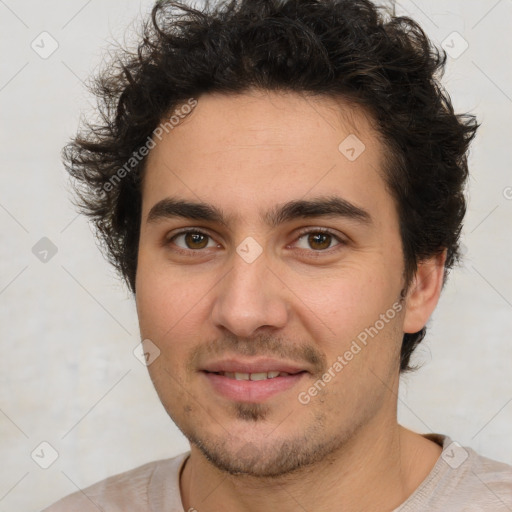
{"x":252,"y":382}
{"x":254,"y":376}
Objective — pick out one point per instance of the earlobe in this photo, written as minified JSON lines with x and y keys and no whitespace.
{"x":423,"y":293}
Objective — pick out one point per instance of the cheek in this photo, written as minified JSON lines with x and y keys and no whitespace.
{"x":171,"y":310}
{"x":152,"y":302}
{"x":163,"y":320}
{"x":164,"y":311}
{"x":157,"y":304}
{"x":347,"y":299}
{"x":355,"y":314}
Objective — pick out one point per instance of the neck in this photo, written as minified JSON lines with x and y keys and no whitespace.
{"x":377,"y":469}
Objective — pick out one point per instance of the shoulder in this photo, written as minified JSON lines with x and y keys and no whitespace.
{"x":463,"y":480}
{"x":130,"y":490}
{"x":493,"y":478}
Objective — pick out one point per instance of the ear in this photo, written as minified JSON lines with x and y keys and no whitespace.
{"x":423,"y":293}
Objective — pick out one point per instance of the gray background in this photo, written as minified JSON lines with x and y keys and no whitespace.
{"x":68,"y":326}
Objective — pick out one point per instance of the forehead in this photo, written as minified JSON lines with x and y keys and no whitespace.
{"x":264,"y":148}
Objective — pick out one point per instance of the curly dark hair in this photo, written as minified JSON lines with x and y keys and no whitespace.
{"x":348,"y":49}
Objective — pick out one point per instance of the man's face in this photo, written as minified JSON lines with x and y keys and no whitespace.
{"x":266,"y":289}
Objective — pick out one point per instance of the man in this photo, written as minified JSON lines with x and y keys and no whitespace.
{"x":281,"y":185}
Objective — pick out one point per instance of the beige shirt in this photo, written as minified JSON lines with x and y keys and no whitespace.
{"x":461,"y":480}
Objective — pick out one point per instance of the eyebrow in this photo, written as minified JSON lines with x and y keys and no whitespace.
{"x":332,"y":206}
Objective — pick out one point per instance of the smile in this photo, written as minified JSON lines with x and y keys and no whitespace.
{"x":252,"y":376}
{"x":253,"y":387}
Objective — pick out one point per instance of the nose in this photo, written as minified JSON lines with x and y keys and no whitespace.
{"x":249,"y":297}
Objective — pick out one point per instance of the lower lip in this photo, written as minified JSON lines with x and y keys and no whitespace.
{"x":251,"y":390}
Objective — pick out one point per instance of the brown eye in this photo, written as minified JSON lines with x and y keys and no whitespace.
{"x":196,"y":240}
{"x":319,"y":241}
{"x":192,"y":240}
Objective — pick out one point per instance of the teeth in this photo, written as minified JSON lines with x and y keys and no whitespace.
{"x":259,"y":376}
{"x":253,"y":376}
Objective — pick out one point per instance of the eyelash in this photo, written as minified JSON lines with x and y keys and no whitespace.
{"x":302,"y":233}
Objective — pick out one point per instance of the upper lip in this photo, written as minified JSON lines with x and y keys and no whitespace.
{"x":261,"y":365}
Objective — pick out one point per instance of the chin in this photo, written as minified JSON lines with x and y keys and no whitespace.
{"x":267,"y":457}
